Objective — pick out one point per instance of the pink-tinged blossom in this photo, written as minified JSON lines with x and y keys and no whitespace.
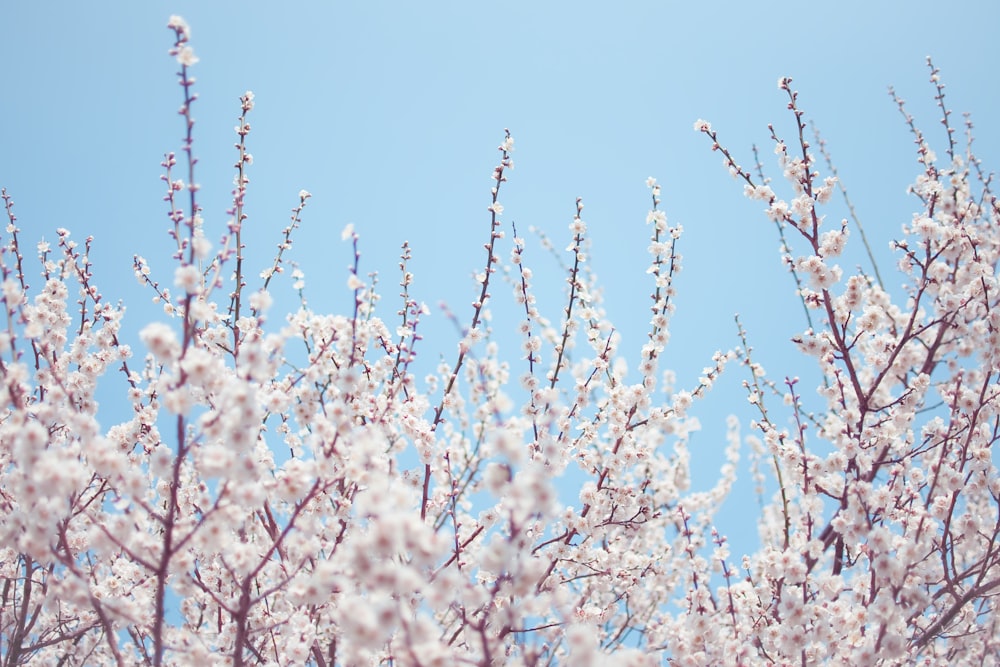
{"x":778,"y":210}
{"x":832,"y":243}
{"x":261,"y":300}
{"x":186,"y":56}
{"x":188,"y":278}
{"x":161,"y":341}
{"x":180,"y":25}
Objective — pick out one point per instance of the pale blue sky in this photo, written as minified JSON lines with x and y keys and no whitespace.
{"x":390,"y":113}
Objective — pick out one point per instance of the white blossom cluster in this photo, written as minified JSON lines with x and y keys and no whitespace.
{"x":291,"y":493}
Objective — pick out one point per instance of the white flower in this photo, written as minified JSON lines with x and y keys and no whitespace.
{"x":261,"y":301}
{"x":180,"y":25}
{"x":11,"y":292}
{"x":186,"y":56}
{"x":778,"y":210}
{"x":702,"y":126}
{"x":682,"y":401}
{"x":802,"y":205}
{"x":201,"y":245}
{"x":347,"y":232}
{"x":188,"y":278}
{"x":161,"y":341}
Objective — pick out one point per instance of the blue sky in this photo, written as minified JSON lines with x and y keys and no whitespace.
{"x":389,"y":113}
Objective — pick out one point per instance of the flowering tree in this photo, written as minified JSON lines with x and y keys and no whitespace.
{"x":285,"y":491}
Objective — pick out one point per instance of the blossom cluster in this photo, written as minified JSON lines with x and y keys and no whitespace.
{"x":287,"y":490}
